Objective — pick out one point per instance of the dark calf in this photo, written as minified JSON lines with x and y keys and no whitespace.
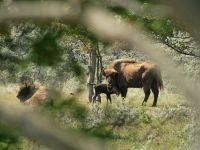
{"x":104,"y":88}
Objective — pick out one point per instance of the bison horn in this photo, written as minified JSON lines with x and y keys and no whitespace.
{"x":109,"y":72}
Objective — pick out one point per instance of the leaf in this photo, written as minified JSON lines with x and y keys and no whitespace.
{"x":46,"y":50}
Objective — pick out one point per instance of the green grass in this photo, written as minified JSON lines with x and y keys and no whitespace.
{"x":159,"y":133}
{"x":167,"y":126}
{"x":123,"y":127}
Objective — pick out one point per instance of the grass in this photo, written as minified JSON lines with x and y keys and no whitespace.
{"x":166,"y":127}
{"x":155,"y":134}
{"x":124,"y":127}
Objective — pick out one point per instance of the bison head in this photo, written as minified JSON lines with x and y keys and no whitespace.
{"x":112,"y":78}
{"x":25,"y":92}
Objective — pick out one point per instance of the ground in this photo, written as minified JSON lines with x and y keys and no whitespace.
{"x":130,"y":126}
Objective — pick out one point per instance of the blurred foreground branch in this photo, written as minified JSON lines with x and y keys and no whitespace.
{"x":45,"y":131}
{"x":40,"y":12}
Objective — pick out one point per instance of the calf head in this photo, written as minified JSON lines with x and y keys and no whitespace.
{"x":112,"y":78}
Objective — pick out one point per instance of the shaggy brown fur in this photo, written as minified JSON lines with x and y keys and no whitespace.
{"x":30,"y":94}
{"x":124,"y":74}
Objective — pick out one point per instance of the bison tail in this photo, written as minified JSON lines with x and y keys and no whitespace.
{"x":160,"y":84}
{"x":159,"y":81}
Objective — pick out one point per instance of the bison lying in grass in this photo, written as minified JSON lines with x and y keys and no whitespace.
{"x":104,"y":88}
{"x":32,"y":94}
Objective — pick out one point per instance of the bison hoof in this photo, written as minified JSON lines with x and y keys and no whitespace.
{"x":144,"y":103}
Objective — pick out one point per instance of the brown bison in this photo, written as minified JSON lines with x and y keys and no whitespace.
{"x":104,"y":88}
{"x":31,"y":94}
{"x":123,"y":74}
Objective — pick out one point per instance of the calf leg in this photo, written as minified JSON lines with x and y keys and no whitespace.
{"x":108,"y":98}
{"x":94,"y":98}
{"x":98,"y":98}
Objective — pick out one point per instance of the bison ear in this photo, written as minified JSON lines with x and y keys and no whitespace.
{"x":114,"y":73}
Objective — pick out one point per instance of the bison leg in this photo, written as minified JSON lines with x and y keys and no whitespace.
{"x":147,"y":83}
{"x":155,"y":91}
{"x":123,"y":94}
{"x":147,"y":93}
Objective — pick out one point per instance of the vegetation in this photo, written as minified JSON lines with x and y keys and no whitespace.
{"x":59,"y":53}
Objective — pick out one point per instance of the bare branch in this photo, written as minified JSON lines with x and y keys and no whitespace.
{"x":180,"y":51}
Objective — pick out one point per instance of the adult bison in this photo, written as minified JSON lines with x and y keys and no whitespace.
{"x":32,"y":94}
{"x":123,"y":74}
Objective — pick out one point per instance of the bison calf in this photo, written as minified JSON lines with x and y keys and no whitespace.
{"x":104,"y":88}
{"x":30,"y":94}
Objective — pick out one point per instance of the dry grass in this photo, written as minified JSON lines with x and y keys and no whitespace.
{"x":8,"y":94}
{"x":170,"y":132}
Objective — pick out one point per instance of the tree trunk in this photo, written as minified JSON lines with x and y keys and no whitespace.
{"x":99,"y":66}
{"x":90,"y":82}
{"x":91,"y":71}
{"x":99,"y":71}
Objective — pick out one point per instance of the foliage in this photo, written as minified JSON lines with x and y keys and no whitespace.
{"x":46,"y":50}
{"x":144,"y":117}
{"x":160,"y":26}
{"x":57,"y":105}
{"x":121,"y":125}
{"x":9,"y":141}
{"x":27,"y":43}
